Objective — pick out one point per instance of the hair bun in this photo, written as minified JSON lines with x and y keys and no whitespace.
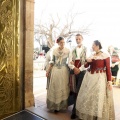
{"x":59,"y":39}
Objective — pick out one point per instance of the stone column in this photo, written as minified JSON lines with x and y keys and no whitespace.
{"x":29,"y":44}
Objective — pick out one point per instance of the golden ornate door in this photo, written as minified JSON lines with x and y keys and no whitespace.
{"x":10,"y":76}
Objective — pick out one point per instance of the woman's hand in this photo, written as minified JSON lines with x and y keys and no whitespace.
{"x":47,"y":74}
{"x":109,"y":85}
{"x":89,"y":60}
{"x":113,"y":65}
{"x":48,"y":70}
{"x":76,"y":70}
{"x":72,"y":62}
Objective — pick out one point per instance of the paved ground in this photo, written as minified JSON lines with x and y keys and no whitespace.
{"x":40,"y":97}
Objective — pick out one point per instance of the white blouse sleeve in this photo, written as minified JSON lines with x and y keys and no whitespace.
{"x":70,"y":60}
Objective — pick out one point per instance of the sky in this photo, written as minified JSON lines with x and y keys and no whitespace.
{"x":102,"y":16}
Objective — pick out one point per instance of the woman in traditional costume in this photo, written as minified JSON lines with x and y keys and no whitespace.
{"x":58,"y":91}
{"x":95,"y":99}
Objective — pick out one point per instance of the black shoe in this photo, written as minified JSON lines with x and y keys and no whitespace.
{"x":56,"y":111}
{"x":73,"y":116}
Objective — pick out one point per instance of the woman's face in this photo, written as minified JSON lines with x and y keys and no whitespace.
{"x":95,"y":47}
{"x":61,"y":43}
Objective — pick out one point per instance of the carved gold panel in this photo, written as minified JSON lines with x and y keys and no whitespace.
{"x":10,"y":82}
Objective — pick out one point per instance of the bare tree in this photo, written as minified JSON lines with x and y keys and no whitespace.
{"x":59,"y":27}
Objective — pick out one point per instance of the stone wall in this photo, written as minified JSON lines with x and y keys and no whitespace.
{"x":29,"y":43}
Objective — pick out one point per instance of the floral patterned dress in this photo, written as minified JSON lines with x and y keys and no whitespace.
{"x":58,"y":91}
{"x":95,"y":100}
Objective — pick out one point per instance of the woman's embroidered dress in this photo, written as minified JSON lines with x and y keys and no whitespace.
{"x":58,"y":91}
{"x":95,"y":100}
